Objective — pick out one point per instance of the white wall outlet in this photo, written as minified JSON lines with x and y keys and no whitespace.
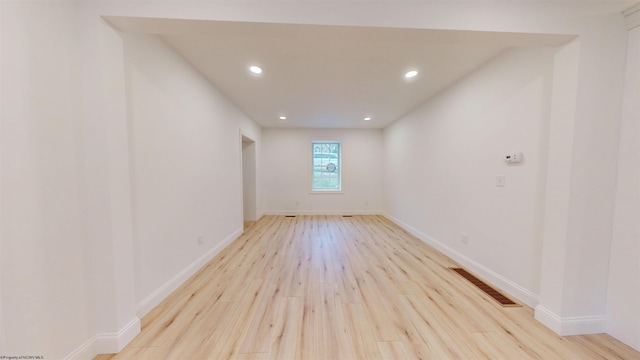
{"x":500,"y":180}
{"x":513,"y":158}
{"x":465,"y":238}
{"x":366,"y":203}
{"x":297,"y":203}
{"x":200,"y":239}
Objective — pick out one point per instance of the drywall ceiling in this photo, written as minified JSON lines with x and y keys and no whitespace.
{"x":321,"y":76}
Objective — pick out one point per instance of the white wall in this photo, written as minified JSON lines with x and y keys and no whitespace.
{"x":108,"y":213}
{"x":46,"y":292}
{"x":623,"y":296}
{"x":574,"y":280}
{"x":3,"y":337}
{"x":286,"y":169}
{"x":442,"y":159}
{"x":186,"y":174}
{"x":559,"y":173}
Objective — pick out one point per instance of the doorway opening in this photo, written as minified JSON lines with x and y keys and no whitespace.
{"x":249,"y":206}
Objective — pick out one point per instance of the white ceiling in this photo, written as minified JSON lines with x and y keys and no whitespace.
{"x":328,"y":76}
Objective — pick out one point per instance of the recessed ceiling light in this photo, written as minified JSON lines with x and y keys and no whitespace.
{"x":411,"y":74}
{"x":255,"y":69}
{"x":367,"y":119}
{"x":283,"y":117}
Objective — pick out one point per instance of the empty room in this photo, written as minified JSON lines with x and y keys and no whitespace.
{"x":320,"y":179}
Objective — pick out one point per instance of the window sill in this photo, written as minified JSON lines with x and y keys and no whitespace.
{"x":327,"y":192}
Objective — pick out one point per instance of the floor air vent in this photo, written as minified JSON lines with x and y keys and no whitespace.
{"x":503,"y":300}
{"x":289,"y":216}
{"x":347,"y":215}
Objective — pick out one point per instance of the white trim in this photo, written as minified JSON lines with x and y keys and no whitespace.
{"x":108,"y":343}
{"x":518,"y":292}
{"x":583,"y":325}
{"x":84,"y":351}
{"x":574,"y":325}
{"x":111,"y":343}
{"x":322,"y":212}
{"x":632,"y":16}
{"x":151,"y":301}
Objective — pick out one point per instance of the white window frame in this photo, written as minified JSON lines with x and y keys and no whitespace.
{"x":339,"y":169}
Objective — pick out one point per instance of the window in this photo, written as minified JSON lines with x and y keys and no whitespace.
{"x":326,"y":166}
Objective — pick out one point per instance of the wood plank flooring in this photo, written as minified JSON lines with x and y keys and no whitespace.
{"x":332,"y":287}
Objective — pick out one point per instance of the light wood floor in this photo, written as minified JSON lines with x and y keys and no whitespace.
{"x":248,"y":223}
{"x":330,"y":287}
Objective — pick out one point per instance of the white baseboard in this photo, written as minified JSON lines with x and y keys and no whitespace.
{"x":518,"y":292}
{"x":151,"y":301}
{"x":322,"y":212}
{"x":111,"y":343}
{"x":576,"y":325}
{"x":548,"y":319}
{"x":107,"y":343}
{"x":84,"y":351}
{"x":115,"y":342}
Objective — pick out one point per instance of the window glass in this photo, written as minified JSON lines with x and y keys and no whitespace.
{"x":326,"y":165}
